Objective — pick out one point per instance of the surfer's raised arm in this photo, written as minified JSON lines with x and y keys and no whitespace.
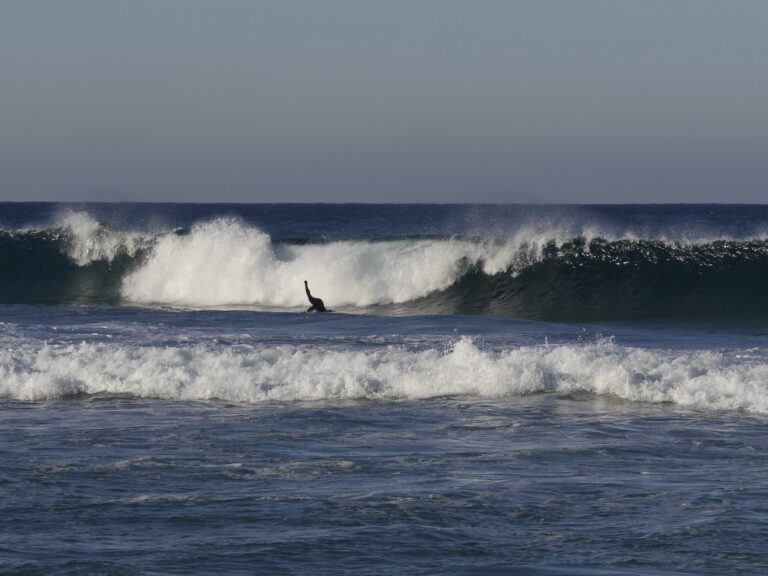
{"x":317,"y":303}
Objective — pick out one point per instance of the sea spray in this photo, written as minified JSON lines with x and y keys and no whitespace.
{"x":86,"y":240}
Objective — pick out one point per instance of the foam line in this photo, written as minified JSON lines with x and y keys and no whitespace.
{"x":707,"y":380}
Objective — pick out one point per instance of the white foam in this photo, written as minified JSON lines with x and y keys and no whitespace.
{"x":224,"y":262}
{"x":708,"y":380}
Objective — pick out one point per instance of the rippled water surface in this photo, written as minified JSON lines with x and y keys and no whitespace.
{"x":542,"y":484}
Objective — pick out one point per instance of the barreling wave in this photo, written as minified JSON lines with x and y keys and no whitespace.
{"x":529,"y":274}
{"x":247,"y":374}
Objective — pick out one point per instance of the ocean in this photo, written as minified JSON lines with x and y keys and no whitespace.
{"x":511,"y":389}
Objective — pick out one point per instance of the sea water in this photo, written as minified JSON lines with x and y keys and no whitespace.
{"x":500,"y":389}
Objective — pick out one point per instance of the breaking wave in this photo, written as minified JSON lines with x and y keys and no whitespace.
{"x":539,"y":274}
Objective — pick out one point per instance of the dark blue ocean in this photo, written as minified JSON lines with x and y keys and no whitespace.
{"x":526,"y":390}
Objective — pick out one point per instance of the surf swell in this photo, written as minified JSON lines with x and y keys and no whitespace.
{"x":528,"y":274}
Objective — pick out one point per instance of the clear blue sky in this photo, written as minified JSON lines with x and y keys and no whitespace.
{"x":391,"y":101}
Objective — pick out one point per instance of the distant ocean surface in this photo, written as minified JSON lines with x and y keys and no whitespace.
{"x":526,"y":390}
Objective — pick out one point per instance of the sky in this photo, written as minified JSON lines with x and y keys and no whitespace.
{"x":584,"y":101}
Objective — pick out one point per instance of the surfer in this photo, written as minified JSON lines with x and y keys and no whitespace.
{"x":317,"y":303}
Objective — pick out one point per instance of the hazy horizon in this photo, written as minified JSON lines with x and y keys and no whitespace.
{"x":528,"y":102}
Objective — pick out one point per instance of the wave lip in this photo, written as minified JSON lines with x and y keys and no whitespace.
{"x":88,"y":241}
{"x":703,"y":380}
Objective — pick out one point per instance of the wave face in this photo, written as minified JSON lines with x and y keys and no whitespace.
{"x":621,"y":280}
{"x":534,"y":273}
{"x":706,"y":380}
{"x":77,"y":260}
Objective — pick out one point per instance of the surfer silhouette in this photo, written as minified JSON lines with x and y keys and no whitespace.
{"x":317,"y":303}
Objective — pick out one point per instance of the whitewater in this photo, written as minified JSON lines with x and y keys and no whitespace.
{"x":500,"y":389}
{"x":247,"y":374}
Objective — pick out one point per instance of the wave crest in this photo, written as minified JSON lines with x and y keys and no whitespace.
{"x":88,"y":240}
